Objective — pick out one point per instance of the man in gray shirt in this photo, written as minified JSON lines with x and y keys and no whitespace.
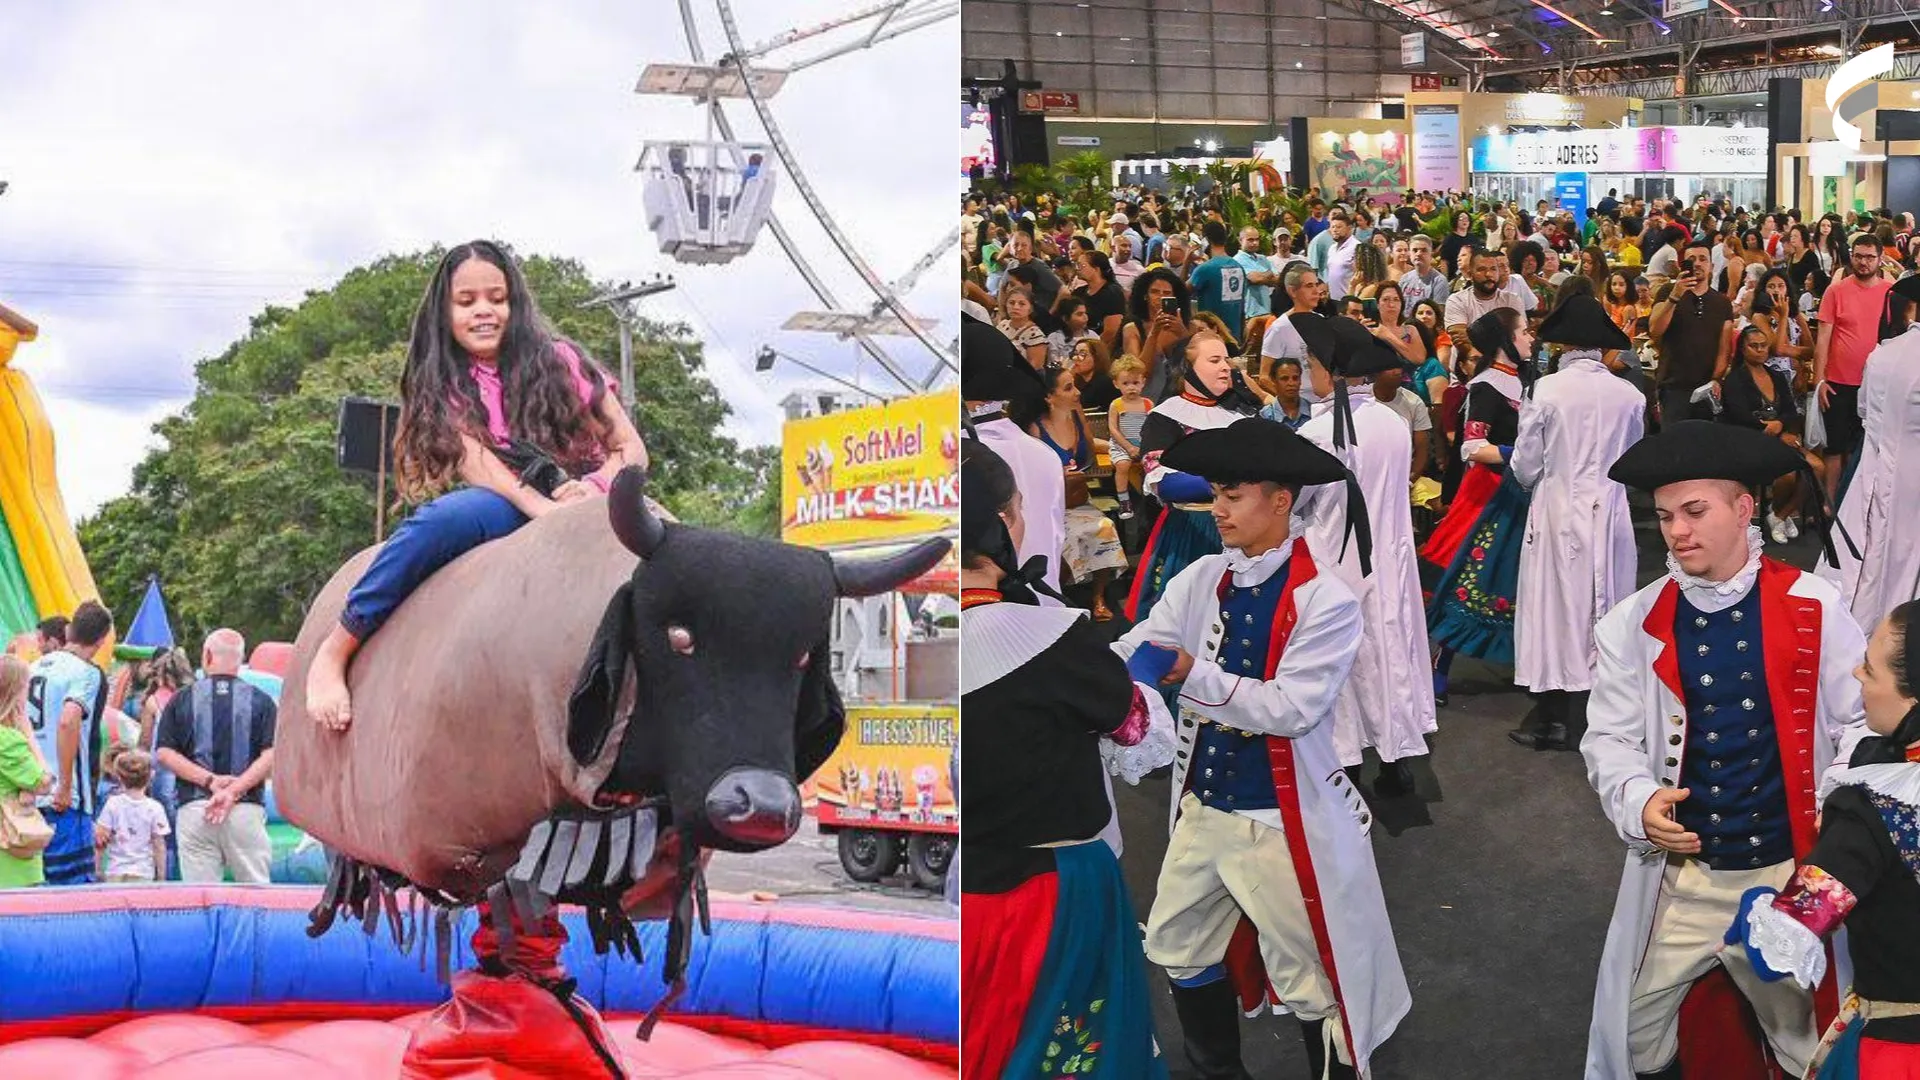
{"x":1423,"y":282}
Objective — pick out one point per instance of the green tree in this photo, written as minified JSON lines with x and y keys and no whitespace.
{"x":242,"y":511}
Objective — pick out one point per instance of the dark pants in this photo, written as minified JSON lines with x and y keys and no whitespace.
{"x":436,"y":534}
{"x":1675,"y":403}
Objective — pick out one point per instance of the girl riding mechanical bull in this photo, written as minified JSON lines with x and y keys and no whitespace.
{"x":543,"y":721}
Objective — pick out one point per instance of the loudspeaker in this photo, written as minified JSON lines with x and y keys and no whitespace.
{"x":1783,"y":126}
{"x":365,"y":442}
{"x":1393,"y":110}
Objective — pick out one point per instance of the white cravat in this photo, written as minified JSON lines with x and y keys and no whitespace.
{"x":1254,"y":569}
{"x":1720,"y":595}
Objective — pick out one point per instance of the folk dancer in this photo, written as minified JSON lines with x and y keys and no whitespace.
{"x":1269,"y":872}
{"x":1863,"y":872}
{"x":1384,"y":703}
{"x":1722,"y":696}
{"x":1577,"y":559}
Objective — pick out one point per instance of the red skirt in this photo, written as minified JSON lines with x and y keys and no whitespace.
{"x":1476,"y":490}
{"x":1880,"y":1060}
{"x":1003,"y":941}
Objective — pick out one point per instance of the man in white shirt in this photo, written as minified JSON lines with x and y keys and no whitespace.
{"x":1340,"y":254}
{"x":1282,"y":341}
{"x":1495,"y":285}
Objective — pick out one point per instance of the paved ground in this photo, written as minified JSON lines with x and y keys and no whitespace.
{"x":807,"y":869}
{"x":1499,"y":875}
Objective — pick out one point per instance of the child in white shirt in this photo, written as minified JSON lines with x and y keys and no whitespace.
{"x":130,"y":835}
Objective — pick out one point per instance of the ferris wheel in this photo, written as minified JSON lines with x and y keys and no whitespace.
{"x":707,"y":200}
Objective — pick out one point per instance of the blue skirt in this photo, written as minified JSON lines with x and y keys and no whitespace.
{"x":1090,"y":1013}
{"x":1472,"y":607}
{"x":1179,"y":538}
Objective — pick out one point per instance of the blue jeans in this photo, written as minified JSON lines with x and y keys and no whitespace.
{"x":436,"y":534}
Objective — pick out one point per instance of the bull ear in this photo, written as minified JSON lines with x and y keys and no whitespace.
{"x":871,"y":577}
{"x":596,"y":691}
{"x":822,"y":719}
{"x":633,"y":522}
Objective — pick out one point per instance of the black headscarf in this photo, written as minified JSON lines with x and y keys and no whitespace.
{"x":984,"y":488}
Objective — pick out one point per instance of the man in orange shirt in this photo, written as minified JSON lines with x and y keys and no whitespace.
{"x":1850,"y":317}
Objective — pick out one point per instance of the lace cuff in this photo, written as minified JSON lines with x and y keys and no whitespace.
{"x":1786,"y":945}
{"x":1153,"y":748}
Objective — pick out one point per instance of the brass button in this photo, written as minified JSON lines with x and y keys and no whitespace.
{"x":1673,"y":740}
{"x":1671,"y":762}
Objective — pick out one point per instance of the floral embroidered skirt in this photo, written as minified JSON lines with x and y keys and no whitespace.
{"x":1053,"y":976}
{"x":1463,"y":511}
{"x":1471,"y":610}
{"x":1179,"y":537}
{"x":1093,"y":543}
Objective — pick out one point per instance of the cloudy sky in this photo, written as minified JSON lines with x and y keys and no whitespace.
{"x":173,"y":168}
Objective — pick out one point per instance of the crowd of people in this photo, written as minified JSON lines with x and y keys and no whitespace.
{"x":1363,"y":452}
{"x":157,"y":774}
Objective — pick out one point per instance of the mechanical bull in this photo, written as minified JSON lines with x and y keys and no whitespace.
{"x":488,"y":763}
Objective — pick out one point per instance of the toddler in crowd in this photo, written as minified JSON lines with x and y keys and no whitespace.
{"x":1125,"y":417}
{"x":130,"y":836}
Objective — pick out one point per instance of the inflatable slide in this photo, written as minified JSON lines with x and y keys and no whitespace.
{"x":42,"y":571}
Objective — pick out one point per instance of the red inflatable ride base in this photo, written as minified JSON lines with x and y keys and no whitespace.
{"x":509,"y":1021}
{"x":184,"y":1046}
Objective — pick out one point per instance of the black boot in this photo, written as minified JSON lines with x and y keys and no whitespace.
{"x":1540,"y":722}
{"x":1671,"y":1072}
{"x":1312,"y":1032}
{"x":1395,"y":780}
{"x":1210,"y":1026}
{"x":1574,"y":713}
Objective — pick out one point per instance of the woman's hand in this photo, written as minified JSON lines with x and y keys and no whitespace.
{"x":574,"y":491}
{"x":1775,"y":427}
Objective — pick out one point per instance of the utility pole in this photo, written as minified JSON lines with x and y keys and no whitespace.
{"x":620,"y":302}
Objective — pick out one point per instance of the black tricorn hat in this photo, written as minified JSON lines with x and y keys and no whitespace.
{"x":991,"y":368}
{"x":1704,"y":450}
{"x":1581,"y":323}
{"x":1256,"y":450}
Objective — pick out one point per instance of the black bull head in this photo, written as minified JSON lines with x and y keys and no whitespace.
{"x":727,"y":641}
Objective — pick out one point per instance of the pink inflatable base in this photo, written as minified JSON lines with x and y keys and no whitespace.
{"x":185,"y":1046}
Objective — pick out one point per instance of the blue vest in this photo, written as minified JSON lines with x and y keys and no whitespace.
{"x":1231,"y":769}
{"x":1737,"y":799}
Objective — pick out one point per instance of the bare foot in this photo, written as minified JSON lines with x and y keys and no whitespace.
{"x":328,"y":701}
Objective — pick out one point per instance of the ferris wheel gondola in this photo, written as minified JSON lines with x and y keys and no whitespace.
{"x":708,"y":199}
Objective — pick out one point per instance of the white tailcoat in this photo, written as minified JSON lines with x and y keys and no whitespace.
{"x":1043,"y":494}
{"x":1635,"y":710}
{"x":1295,"y":704}
{"x":1886,"y":486}
{"x":1578,"y":559}
{"x":1387,"y":700}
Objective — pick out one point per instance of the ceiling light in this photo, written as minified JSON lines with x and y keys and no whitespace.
{"x":1546,"y":48}
{"x":1211,"y":146}
{"x":1762,"y":104}
{"x":1057,"y":33}
{"x":1298,"y":64}
{"x":1493,"y":33}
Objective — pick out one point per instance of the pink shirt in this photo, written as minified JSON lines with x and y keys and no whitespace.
{"x":493,"y":392}
{"x":1854,"y":310}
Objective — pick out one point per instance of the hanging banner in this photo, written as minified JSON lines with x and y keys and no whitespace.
{"x":1436,"y":148}
{"x":1570,"y":189}
{"x":864,"y":475}
{"x":891,"y":769}
{"x":1413,"y":50}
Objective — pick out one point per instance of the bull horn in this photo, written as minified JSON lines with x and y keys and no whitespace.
{"x":633,"y":522}
{"x":871,"y":577}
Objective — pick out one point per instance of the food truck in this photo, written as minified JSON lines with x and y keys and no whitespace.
{"x":865,"y":482}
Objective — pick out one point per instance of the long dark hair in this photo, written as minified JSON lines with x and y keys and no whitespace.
{"x":1763,"y":303}
{"x":1493,"y":334}
{"x":1137,"y":301}
{"x":440,"y":400}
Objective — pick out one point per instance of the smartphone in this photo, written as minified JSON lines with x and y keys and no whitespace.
{"x":1170,"y":305}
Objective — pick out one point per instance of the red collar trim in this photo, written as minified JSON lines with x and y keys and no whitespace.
{"x":1196,"y":399}
{"x":972,"y":598}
